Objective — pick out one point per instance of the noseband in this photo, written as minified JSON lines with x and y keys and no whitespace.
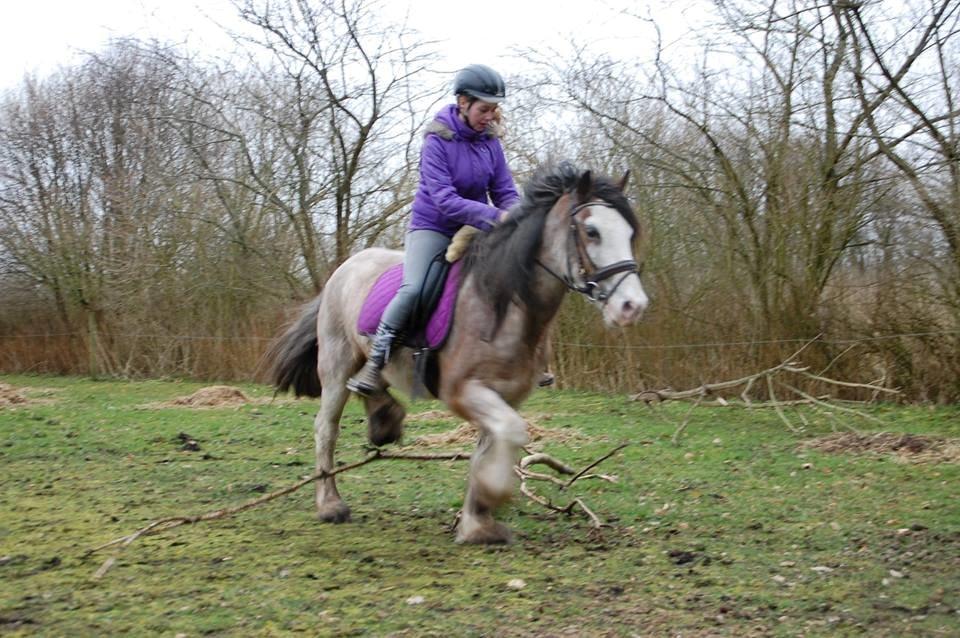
{"x":588,"y":275}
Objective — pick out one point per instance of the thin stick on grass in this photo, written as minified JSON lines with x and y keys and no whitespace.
{"x":675,"y":439}
{"x":594,"y":519}
{"x":376,"y":454}
{"x":594,"y":464}
{"x":172,"y":522}
{"x":707,"y":389}
{"x":545,"y":459}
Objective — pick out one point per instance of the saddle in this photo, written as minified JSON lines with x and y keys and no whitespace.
{"x":430,"y":321}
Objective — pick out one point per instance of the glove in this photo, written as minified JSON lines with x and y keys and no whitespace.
{"x":460,"y":242}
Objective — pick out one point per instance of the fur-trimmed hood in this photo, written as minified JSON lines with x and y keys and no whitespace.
{"x":447,"y":124}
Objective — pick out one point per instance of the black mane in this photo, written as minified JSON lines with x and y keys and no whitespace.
{"x":504,"y":260}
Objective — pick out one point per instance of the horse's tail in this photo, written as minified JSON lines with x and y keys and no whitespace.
{"x":292,"y":357}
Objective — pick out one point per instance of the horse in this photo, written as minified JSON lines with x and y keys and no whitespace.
{"x":571,"y":231}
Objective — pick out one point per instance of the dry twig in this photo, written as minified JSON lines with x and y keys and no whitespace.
{"x":525,"y":474}
{"x":603,"y":458}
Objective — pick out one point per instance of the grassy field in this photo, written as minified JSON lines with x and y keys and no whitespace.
{"x":738,"y":530}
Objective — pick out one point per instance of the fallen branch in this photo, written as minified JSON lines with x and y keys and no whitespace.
{"x":525,"y":474}
{"x":545,"y":459}
{"x":780,"y":413}
{"x":376,"y":454}
{"x":707,"y":389}
{"x":172,"y":522}
{"x":603,"y":458}
{"x":597,"y":523}
{"x":767,"y":378}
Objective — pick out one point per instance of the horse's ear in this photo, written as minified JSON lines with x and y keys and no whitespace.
{"x":622,"y":184}
{"x":585,"y":186}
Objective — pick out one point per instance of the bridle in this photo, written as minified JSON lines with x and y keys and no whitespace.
{"x":588,"y":275}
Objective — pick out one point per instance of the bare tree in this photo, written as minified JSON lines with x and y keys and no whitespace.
{"x":80,"y":194}
{"x":908,"y":80}
{"x":323,"y":131}
{"x":764,"y":139}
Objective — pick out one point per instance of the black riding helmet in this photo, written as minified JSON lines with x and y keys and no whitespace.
{"x":481,"y":82}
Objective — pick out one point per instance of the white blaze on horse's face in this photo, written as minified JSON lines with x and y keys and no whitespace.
{"x":608,"y":239}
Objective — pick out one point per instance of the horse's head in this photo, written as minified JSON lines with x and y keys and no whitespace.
{"x":580,"y":230}
{"x":600,"y":260}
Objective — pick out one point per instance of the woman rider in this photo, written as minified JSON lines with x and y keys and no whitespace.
{"x":464,"y":180}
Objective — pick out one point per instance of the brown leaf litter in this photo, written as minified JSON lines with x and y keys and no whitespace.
{"x":906,"y":448}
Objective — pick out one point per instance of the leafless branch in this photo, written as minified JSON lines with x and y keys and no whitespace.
{"x":533,"y":459}
{"x":768,"y":377}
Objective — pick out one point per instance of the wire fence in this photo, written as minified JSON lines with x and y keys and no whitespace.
{"x":925,"y":365}
{"x":564,"y":343}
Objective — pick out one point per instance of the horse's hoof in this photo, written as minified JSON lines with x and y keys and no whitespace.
{"x":385,"y":425}
{"x":489,"y":534}
{"x":337,"y":513}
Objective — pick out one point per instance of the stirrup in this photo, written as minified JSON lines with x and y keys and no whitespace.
{"x":367,"y":382}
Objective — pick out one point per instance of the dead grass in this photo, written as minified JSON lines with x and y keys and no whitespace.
{"x":214,"y":396}
{"x":906,"y":448}
{"x":10,"y":396}
{"x":465,"y":434}
{"x":14,"y":397}
{"x":431,"y":415}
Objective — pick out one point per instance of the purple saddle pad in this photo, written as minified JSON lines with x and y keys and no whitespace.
{"x":386,"y":287}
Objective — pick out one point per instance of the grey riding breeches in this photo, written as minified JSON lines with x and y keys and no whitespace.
{"x":421,"y":247}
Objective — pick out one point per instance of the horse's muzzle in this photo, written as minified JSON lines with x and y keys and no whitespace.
{"x":626,"y":307}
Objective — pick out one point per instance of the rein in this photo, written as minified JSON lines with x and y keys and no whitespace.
{"x":587,"y":282}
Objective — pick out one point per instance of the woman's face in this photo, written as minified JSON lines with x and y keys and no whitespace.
{"x":478,"y":114}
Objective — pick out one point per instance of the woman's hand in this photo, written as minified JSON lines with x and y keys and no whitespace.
{"x":502,"y":217}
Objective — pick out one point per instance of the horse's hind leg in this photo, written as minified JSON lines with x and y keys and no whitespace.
{"x":384,"y":418}
{"x":492,"y":479}
{"x":326,"y":429}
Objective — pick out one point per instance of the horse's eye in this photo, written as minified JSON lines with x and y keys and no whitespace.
{"x":593,"y":233}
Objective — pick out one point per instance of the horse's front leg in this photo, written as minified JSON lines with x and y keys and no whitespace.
{"x":326,"y":430}
{"x":492,"y":479}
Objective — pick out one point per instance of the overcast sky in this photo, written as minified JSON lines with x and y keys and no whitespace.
{"x":39,"y":35}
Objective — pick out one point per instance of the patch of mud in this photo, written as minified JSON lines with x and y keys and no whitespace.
{"x":906,"y":448}
{"x":214,"y":396}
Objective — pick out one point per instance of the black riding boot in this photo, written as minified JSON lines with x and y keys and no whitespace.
{"x":367,"y":381}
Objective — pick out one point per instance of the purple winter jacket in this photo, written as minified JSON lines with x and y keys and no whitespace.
{"x":461,"y":171}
